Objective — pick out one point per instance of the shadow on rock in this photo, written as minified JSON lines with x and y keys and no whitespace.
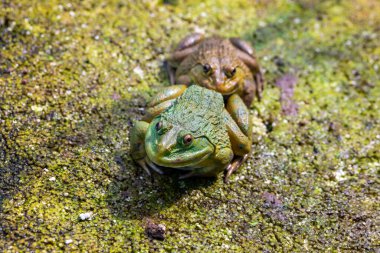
{"x":136,"y":195}
{"x":132,"y":193}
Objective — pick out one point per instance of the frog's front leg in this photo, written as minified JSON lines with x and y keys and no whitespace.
{"x":246,"y":54}
{"x":162,"y":100}
{"x":248,"y":92}
{"x":239,"y":126}
{"x":240,"y":114}
{"x":137,"y":144}
{"x":185,"y":47}
{"x":256,"y":73}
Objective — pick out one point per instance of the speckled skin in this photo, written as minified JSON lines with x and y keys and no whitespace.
{"x":232,"y":65}
{"x":198,"y":113}
{"x":201,"y":112}
{"x":68,"y":93}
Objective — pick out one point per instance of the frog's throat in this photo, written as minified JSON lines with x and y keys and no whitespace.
{"x":221,"y":89}
{"x":226,"y":92}
{"x":190,"y":161}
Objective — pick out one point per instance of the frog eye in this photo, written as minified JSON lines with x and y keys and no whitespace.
{"x":158,"y":126}
{"x":206,"y":68}
{"x":231,"y":73}
{"x":187,"y":139}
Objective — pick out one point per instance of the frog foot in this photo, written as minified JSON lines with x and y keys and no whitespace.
{"x":234,"y":165}
{"x":148,"y":165}
{"x":187,"y":175}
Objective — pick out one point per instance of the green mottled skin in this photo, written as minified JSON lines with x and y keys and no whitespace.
{"x":69,"y":91}
{"x":201,"y":112}
{"x":198,"y":113}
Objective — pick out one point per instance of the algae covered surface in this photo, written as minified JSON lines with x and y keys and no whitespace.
{"x":73,"y":76}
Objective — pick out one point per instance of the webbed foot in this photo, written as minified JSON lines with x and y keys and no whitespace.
{"x":153,"y":166}
{"x":234,"y":165}
{"x":259,"y":81}
{"x":148,"y":165}
{"x":246,"y":54}
{"x":143,"y":165}
{"x":187,"y":175}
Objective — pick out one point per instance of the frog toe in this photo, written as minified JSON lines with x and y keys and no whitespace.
{"x":259,"y":82}
{"x":242,"y":45}
{"x":187,"y":175}
{"x":143,"y":165}
{"x":234,"y":166}
{"x":190,"y":40}
{"x":153,"y":166}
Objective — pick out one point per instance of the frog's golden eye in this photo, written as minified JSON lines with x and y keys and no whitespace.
{"x":187,"y":139}
{"x":158,"y":126}
{"x":230,"y":73}
{"x":233,"y":72}
{"x":206,"y":68}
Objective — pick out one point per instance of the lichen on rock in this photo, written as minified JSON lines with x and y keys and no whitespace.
{"x":73,"y":76}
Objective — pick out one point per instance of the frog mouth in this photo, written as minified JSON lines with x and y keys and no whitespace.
{"x":157,"y":166}
{"x":165,"y":170}
{"x":224,"y":89}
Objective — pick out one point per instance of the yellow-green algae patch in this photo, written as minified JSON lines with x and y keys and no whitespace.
{"x":73,"y":75}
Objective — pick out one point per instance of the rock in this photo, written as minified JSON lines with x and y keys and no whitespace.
{"x":155,"y":231}
{"x":85,"y":216}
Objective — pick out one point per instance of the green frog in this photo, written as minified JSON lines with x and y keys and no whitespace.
{"x":191,"y":129}
{"x":227,"y":66}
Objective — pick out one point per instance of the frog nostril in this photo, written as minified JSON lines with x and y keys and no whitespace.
{"x":161,"y":148}
{"x":230,"y":72}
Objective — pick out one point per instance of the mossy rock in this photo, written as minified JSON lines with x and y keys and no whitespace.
{"x":74,"y":75}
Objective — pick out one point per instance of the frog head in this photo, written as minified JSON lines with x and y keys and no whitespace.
{"x":170,"y":145}
{"x":218,"y":68}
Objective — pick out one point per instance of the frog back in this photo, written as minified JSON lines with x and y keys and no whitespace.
{"x":200,"y":111}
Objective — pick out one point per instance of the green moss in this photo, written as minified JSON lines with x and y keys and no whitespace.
{"x":74,"y":75}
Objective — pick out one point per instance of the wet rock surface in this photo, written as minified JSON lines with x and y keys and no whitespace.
{"x":73,"y":76}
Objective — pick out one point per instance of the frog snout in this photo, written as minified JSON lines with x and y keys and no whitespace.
{"x":165,"y":146}
{"x":168,"y":141}
{"x":219,"y":85}
{"x":162,"y":149}
{"x":218,"y":81}
{"x":224,"y":88}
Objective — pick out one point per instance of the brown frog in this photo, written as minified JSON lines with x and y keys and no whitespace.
{"x":227,"y":66}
